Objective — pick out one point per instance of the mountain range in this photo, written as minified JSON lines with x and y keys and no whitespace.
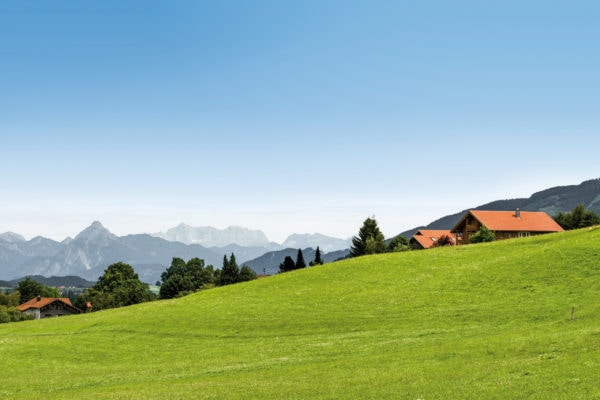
{"x":92,"y":250}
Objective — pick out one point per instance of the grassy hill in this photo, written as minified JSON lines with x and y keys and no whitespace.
{"x":488,"y":321}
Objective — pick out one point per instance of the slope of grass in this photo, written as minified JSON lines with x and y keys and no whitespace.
{"x":486,"y":321}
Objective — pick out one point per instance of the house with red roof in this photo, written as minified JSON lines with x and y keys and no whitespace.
{"x":504,"y":224}
{"x":45,"y":307}
{"x":426,"y":238}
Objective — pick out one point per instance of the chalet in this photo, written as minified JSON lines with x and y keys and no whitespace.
{"x":505,"y":224}
{"x":426,"y":238}
{"x":44,"y":307}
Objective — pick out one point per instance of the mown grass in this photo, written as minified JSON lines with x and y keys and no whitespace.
{"x":486,"y":321}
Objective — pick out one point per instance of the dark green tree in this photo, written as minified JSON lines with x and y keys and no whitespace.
{"x":370,"y":240}
{"x":300,"y":260}
{"x":399,"y":243}
{"x":183,"y":278}
{"x":246,"y":274}
{"x":28,"y":289}
{"x":482,"y":235}
{"x":230,"y":272}
{"x":317,"y":260}
{"x":119,"y":286}
{"x":578,"y":218}
{"x":288,"y":264}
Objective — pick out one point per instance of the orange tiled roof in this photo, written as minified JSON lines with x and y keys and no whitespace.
{"x":43,"y":301}
{"x":427,"y":237}
{"x":531,"y":221}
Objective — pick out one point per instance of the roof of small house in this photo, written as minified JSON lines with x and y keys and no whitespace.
{"x":39,"y":302}
{"x":517,"y":221}
{"x":428,"y":237}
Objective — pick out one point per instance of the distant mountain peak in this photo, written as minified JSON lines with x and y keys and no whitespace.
{"x":212,"y":237}
{"x":11,"y":237}
{"x":94,"y":232}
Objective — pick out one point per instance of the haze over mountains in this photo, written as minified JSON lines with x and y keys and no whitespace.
{"x":92,"y":250}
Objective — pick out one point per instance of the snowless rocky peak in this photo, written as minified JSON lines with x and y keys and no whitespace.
{"x":95,"y":232}
{"x":11,"y":237}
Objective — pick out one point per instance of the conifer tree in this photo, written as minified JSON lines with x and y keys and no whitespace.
{"x":230,"y":272}
{"x":300,"y":260}
{"x":370,"y":240}
{"x":317,"y":260}
{"x":288,"y":264}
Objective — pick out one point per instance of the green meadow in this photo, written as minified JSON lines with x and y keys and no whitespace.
{"x":486,"y":321}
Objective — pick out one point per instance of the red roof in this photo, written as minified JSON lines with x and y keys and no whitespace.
{"x":43,"y":301}
{"x":428,"y":237}
{"x":528,"y":221}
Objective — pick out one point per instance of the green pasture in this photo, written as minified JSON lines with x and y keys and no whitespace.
{"x":486,"y":321}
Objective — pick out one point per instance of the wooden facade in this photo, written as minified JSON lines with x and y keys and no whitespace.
{"x":504,"y":224}
{"x":47,"y":307}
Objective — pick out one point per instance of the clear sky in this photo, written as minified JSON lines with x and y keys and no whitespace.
{"x":289,"y":116}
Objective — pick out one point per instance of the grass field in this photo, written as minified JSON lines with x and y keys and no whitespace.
{"x":487,"y":321}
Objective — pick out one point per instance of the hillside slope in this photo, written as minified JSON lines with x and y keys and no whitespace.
{"x":486,"y":321}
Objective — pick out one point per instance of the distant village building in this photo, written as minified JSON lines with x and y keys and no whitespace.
{"x":45,"y":307}
{"x":504,"y":224}
{"x":426,"y":238}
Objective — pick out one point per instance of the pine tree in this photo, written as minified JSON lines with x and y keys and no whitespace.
{"x":230,"y":272}
{"x":370,"y":240}
{"x":300,"y":260}
{"x":288,"y":264}
{"x":317,"y":260}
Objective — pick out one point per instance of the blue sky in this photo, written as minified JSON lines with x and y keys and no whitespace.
{"x":289,"y":117}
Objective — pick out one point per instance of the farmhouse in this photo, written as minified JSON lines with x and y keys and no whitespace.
{"x":426,"y":238}
{"x":504,"y":224}
{"x":44,"y":307}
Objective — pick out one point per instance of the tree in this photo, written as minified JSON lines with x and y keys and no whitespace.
{"x":28,"y":289}
{"x":317,"y":260}
{"x":230,"y":272}
{"x":300,"y":260}
{"x":182,"y":278}
{"x":578,"y":218}
{"x":370,"y":240}
{"x":399,"y":243}
{"x":288,"y":264}
{"x":482,"y":235}
{"x":119,"y":286}
{"x":246,"y":274}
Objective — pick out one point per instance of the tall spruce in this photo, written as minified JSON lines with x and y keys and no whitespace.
{"x":370,"y":240}
{"x":230,"y":272}
{"x":317,"y":260}
{"x":300,"y":260}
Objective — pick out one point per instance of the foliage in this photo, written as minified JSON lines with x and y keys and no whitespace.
{"x":246,"y":274}
{"x":8,"y":307}
{"x":399,"y":243}
{"x":300,"y":260}
{"x":317,"y":260}
{"x":287,"y":265}
{"x":230,"y":273}
{"x":28,"y":289}
{"x":473,"y":322}
{"x":119,"y":286}
{"x":578,"y":218}
{"x":182,"y":277}
{"x":482,"y":235}
{"x":370,"y":240}
{"x":445,"y":240}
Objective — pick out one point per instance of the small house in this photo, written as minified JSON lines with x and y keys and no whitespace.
{"x":426,"y":238}
{"x":504,"y":224}
{"x":45,"y":307}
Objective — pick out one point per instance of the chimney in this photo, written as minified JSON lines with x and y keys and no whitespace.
{"x":518,"y":213}
{"x":38,"y":298}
